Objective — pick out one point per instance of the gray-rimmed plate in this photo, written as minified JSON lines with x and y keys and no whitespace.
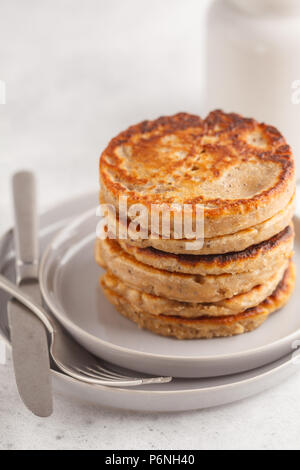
{"x":180,"y":394}
{"x":69,"y":282}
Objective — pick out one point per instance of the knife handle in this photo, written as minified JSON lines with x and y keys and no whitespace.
{"x":26,"y":225}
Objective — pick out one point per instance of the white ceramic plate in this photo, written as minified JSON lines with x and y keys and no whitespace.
{"x":69,"y":283}
{"x":180,"y":394}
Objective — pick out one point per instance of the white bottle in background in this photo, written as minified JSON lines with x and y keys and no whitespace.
{"x":253,"y":62}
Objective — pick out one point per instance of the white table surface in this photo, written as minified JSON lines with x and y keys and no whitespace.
{"x":76,"y":73}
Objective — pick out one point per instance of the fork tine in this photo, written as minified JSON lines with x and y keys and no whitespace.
{"x":145,"y":380}
{"x":90,"y":374}
{"x":90,"y":371}
{"x":97,"y":375}
{"x":104,"y":373}
{"x":129,"y":382}
{"x":108,"y":380}
{"x":110,"y":372}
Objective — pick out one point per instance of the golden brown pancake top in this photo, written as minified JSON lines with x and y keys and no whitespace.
{"x":228,"y":163}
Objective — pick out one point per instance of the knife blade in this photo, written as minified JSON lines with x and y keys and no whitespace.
{"x":29,"y":341}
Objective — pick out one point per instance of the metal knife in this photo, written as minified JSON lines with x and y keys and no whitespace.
{"x":28,"y":335}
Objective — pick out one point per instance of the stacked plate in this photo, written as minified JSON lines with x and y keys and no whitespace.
{"x":228,"y":277}
{"x":70,"y":287}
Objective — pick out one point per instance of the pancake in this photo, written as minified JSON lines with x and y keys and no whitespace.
{"x":238,"y":241}
{"x":207,"y":327}
{"x":162,"y":306}
{"x":256,"y":257}
{"x":240,"y":171}
{"x":177,"y":286}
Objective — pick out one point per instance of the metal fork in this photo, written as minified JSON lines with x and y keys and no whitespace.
{"x":69,"y":356}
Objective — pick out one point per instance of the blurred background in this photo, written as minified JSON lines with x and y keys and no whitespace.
{"x":78,"y":72}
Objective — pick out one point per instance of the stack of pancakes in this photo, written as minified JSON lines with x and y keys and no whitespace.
{"x":241,"y":172}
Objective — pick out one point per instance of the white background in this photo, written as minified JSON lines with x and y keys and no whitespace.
{"x":76,"y":73}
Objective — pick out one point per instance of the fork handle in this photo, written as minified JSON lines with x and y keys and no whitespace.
{"x":27,"y":301}
{"x":26,"y":225}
